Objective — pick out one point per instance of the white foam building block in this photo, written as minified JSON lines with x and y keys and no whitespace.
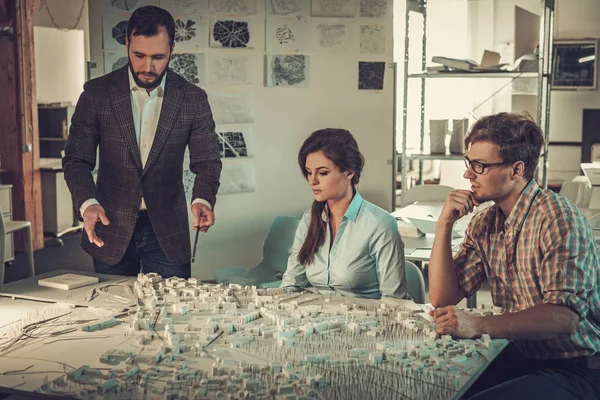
{"x":68,"y":281}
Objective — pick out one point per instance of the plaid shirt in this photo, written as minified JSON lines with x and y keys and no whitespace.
{"x":544,"y":252}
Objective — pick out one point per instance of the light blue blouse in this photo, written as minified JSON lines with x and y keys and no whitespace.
{"x":366,"y":258}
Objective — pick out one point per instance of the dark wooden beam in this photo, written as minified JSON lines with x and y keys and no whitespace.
{"x":19,"y":147}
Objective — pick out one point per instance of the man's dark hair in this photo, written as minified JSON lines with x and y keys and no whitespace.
{"x":146,"y":20}
{"x":517,"y":135}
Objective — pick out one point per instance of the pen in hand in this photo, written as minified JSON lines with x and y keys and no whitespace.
{"x":195,"y":244}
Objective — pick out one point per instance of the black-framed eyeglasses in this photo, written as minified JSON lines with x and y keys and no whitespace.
{"x":479,"y":167}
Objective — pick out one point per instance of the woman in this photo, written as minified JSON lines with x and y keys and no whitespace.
{"x":343,"y":244}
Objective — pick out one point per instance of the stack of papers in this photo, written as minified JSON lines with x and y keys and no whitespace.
{"x":490,"y":62}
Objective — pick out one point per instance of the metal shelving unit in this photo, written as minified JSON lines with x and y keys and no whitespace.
{"x":543,"y":90}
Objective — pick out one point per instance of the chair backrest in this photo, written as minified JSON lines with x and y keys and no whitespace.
{"x":2,"y":246}
{"x":578,"y":192}
{"x":415,"y":283}
{"x":426,"y":193}
{"x":279,"y":240}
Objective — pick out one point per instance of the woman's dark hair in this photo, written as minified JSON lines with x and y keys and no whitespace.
{"x":341,"y":148}
{"x":517,"y":135}
{"x":145,"y":22}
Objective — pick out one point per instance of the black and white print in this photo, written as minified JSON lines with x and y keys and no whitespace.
{"x":229,"y":68}
{"x":114,"y":31}
{"x":372,"y":39}
{"x":231,"y":33}
{"x":191,"y":66}
{"x":235,"y":7}
{"x":191,"y":33}
{"x":127,"y":6}
{"x":373,"y":8}
{"x":287,"y":34}
{"x":333,"y":37}
{"x":232,"y":144}
{"x":232,"y":108}
{"x":334,"y":8}
{"x":114,"y":60}
{"x":287,"y":70}
{"x":288,"y":7}
{"x":185,"y":7}
{"x":370,"y":75}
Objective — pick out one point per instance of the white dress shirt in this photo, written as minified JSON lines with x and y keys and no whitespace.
{"x":146,"y":107}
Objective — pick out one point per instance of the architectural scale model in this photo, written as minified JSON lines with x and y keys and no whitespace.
{"x":186,"y":339}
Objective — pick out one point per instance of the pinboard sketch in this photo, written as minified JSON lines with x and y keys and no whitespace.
{"x":287,"y":70}
{"x":188,"y":183}
{"x":288,"y":7}
{"x":191,"y":33}
{"x":333,"y":8}
{"x":191,"y":66}
{"x":237,"y":176}
{"x":373,"y":8}
{"x":231,"y":33}
{"x":229,"y":68}
{"x":232,"y":108}
{"x":185,"y":7}
{"x":236,"y":7}
{"x":117,"y":6}
{"x":287,"y":34}
{"x":114,"y":60}
{"x":333,"y":37}
{"x":114,"y":31}
{"x":232,"y":144}
{"x":370,"y":75}
{"x":372,"y":39}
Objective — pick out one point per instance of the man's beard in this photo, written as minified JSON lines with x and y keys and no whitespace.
{"x":144,"y":84}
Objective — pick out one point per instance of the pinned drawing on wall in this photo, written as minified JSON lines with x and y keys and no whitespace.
{"x":191,"y":33}
{"x":231,"y":33}
{"x":114,"y":31}
{"x":235,"y":140}
{"x":333,"y":8}
{"x":287,"y":70}
{"x":237,"y":176}
{"x":370,"y":75}
{"x":228,"y":68}
{"x":372,"y":39}
{"x":185,"y":7}
{"x":117,"y":6}
{"x":287,"y":34}
{"x":232,"y":108}
{"x":113,"y":60}
{"x":374,"y":8}
{"x":288,"y":7}
{"x":191,"y":66}
{"x":236,"y":7}
{"x":333,"y":37}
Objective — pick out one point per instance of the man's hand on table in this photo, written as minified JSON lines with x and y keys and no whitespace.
{"x":452,"y":321}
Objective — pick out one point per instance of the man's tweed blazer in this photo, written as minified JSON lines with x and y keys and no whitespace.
{"x":103,"y":119}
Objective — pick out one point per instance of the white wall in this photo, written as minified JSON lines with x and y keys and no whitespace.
{"x":284,"y":117}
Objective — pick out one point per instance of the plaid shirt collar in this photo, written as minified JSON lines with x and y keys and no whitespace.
{"x":519,"y":212}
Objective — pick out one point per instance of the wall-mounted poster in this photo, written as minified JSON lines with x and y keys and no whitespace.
{"x":287,"y":70}
{"x":574,"y":64}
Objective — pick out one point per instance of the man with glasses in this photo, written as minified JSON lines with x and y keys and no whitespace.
{"x":538,"y":253}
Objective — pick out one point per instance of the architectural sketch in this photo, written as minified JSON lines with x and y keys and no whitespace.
{"x":116,"y":6}
{"x":237,"y":177}
{"x":188,"y":8}
{"x":229,"y":68}
{"x":288,"y":7}
{"x":235,"y":140}
{"x":231,"y":33}
{"x":191,"y":33}
{"x":287,"y":70}
{"x":191,"y":66}
{"x":188,"y":183}
{"x":233,"y":108}
{"x":374,"y":8}
{"x":287,"y":34}
{"x":372,"y":39}
{"x":114,"y":60}
{"x":236,"y":7}
{"x":333,"y":37}
{"x":187,"y":339}
{"x":114,"y":31}
{"x":370,"y":75}
{"x":333,"y":8}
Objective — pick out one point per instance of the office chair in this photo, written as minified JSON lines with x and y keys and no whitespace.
{"x":6,"y":228}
